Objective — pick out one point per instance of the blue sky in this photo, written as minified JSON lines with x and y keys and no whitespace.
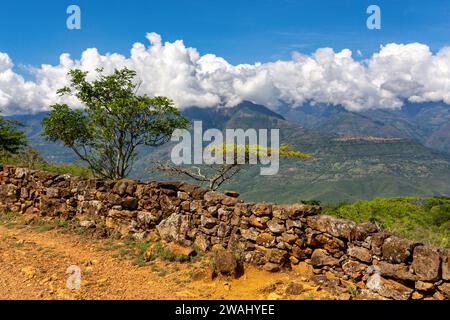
{"x":34,"y":32}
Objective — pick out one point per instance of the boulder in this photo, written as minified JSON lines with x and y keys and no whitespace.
{"x":276,"y":226}
{"x":339,"y":228}
{"x":426,"y":263}
{"x":321,"y":258}
{"x":266,"y":240}
{"x":396,"y":250}
{"x":225,"y":263}
{"x":361,"y":231}
{"x":445,"y":290}
{"x":362,"y":254}
{"x":294,"y":289}
{"x":262,"y":209}
{"x":250,"y":234}
{"x":388,"y":288}
{"x":177,"y":250}
{"x":354,"y":269}
{"x":271,"y":267}
{"x":396,"y":271}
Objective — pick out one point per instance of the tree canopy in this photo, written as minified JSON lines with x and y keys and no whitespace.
{"x":115,"y":121}
{"x":11,"y":138}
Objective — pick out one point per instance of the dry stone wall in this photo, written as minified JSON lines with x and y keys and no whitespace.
{"x":271,"y":236}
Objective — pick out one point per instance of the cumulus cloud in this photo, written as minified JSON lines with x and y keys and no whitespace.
{"x":398,"y":72}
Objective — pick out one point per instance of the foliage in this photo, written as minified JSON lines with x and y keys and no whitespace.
{"x":423,"y":219}
{"x":11,"y":139}
{"x":115,"y":122}
{"x":30,"y":158}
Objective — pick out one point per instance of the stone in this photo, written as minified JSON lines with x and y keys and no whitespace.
{"x":249,"y":234}
{"x":208,"y":222}
{"x":130,"y":203}
{"x":229,"y":201}
{"x":446,"y":265}
{"x":377,"y":241}
{"x":289,"y":238}
{"x":361,"y":231}
{"x":304,"y":269}
{"x":331,"y":244}
{"x":174,"y":228}
{"x":214,"y":197}
{"x":396,"y":250}
{"x":396,"y":271}
{"x":266,"y":239}
{"x":125,"y":186}
{"x":87,"y":224}
{"x":177,"y":250}
{"x":426,"y":263}
{"x":424,"y":286}
{"x":183,"y":195}
{"x":276,"y":226}
{"x":339,"y":228}
{"x":417,"y":296}
{"x":277,"y":256}
{"x":354,"y":269}
{"x":52,"y":193}
{"x":321,"y":258}
{"x":201,"y":242}
{"x":271,"y":267}
{"x":362,"y":254}
{"x":445,"y":290}
{"x":388,"y":288}
{"x":294,"y":289}
{"x":232,"y":194}
{"x":258,"y":222}
{"x":262,"y":209}
{"x":225,"y":263}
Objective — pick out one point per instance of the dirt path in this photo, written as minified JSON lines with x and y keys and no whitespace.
{"x":33,"y":266}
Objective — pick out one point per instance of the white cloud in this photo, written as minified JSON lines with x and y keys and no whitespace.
{"x":396,"y":73}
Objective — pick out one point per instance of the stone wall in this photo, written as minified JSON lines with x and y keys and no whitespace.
{"x":267,"y":235}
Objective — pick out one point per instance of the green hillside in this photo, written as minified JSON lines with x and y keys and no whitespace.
{"x":423,"y":219}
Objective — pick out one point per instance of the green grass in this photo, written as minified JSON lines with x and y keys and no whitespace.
{"x":422,"y":219}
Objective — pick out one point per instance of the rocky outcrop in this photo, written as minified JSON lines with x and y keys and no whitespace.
{"x":271,"y":236}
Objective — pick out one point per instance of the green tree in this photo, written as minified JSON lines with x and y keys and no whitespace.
{"x":12,"y":140}
{"x":115,"y":121}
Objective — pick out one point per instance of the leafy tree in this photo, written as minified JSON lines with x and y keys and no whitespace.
{"x":11,"y":139}
{"x":216,"y":175}
{"x":115,"y":121}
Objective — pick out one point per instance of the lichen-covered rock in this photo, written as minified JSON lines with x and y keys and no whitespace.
{"x":354,"y":269}
{"x":262,"y":209}
{"x":266,"y":240}
{"x":426,"y":263}
{"x":362,"y":254}
{"x":396,"y":271}
{"x":389,"y":288}
{"x":276,"y":226}
{"x":339,"y":228}
{"x":397,"y":250}
{"x":322,"y":258}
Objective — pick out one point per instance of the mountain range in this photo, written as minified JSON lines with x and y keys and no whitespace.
{"x":357,"y":155}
